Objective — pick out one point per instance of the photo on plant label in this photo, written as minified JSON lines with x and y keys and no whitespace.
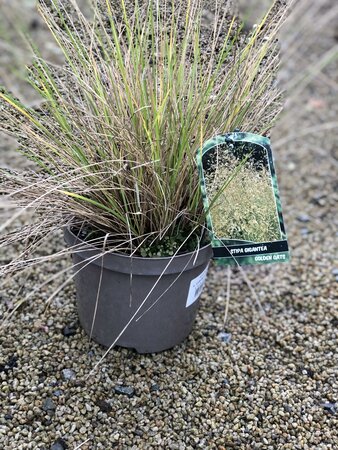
{"x":241,"y":200}
{"x":238,"y":183}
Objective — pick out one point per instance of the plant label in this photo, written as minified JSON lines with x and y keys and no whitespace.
{"x":241,"y":200}
{"x":196,"y":287}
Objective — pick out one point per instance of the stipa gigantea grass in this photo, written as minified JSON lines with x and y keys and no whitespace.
{"x":246,"y":209}
{"x":114,"y":141}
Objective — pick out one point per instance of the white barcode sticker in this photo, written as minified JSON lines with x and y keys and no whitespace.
{"x":196,"y":287}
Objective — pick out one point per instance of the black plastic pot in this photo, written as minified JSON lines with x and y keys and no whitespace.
{"x":150,"y":311}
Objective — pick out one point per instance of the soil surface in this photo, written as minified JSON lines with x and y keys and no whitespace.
{"x":259,"y":382}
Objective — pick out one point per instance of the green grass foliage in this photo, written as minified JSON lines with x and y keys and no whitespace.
{"x":144,"y":85}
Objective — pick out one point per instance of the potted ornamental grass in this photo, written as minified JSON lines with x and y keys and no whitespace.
{"x":113,"y":148}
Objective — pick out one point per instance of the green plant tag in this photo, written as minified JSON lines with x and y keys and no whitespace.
{"x":241,"y":200}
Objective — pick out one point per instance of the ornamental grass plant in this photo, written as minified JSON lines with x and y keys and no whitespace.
{"x":246,"y":209}
{"x":114,"y":139}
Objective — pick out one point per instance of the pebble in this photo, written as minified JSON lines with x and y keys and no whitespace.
{"x":59,"y":444}
{"x":303,"y":218}
{"x":49,"y":406}
{"x":288,"y":408}
{"x":154,"y":387}
{"x":129,"y":391}
{"x":58,"y":393}
{"x":70,"y":330}
{"x":104,"y":406}
{"x":68,"y":374}
{"x":313,"y":293}
{"x":34,"y":24}
{"x":335,"y":273}
{"x":9,"y":364}
{"x":332,"y":408}
{"x":334,"y":322}
{"x":224,"y":337}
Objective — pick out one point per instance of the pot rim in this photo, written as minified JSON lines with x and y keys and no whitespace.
{"x":139,"y":264}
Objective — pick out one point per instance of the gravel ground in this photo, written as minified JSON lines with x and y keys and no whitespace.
{"x":270,"y":383}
